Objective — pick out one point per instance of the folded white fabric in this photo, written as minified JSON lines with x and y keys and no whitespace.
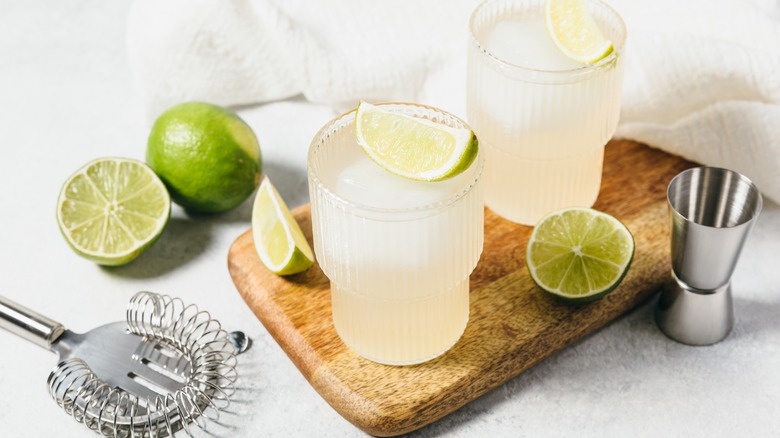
{"x":701,"y":77}
{"x":702,"y":81}
{"x":247,"y":51}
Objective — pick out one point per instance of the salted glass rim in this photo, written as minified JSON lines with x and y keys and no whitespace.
{"x":340,"y":121}
{"x":584,"y":70}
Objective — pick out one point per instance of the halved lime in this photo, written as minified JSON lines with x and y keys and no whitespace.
{"x":579,"y":254}
{"x":279,"y":241}
{"x":411,"y":147}
{"x":575,"y":33}
{"x":112,"y":209}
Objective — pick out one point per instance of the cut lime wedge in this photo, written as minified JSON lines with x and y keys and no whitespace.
{"x":579,"y":254}
{"x":575,"y":33}
{"x":112,"y":209}
{"x":279,"y":241}
{"x":411,"y":147}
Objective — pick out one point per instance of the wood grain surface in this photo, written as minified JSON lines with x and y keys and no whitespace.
{"x":513,"y":325}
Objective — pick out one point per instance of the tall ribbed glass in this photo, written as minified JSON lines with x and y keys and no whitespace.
{"x":542,"y":122}
{"x":398,"y":253}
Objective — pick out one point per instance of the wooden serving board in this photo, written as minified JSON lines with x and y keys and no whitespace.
{"x":513,"y":325}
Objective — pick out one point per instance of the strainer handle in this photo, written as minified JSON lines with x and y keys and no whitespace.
{"x":29,"y":324}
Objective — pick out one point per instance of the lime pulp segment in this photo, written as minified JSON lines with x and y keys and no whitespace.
{"x":278,"y":238}
{"x":412,"y":147}
{"x":579,"y":253}
{"x":574,"y":31}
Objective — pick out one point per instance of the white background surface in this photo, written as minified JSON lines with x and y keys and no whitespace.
{"x":66,"y":97}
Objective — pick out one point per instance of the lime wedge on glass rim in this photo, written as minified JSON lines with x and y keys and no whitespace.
{"x":579,"y":254}
{"x":411,"y":147}
{"x":112,"y":209}
{"x":574,"y":31}
{"x":278,"y":238}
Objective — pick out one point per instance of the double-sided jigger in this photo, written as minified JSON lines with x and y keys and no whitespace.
{"x":712,"y":211}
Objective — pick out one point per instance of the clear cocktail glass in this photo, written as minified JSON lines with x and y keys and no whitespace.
{"x":543,"y":120}
{"x":398,"y":252}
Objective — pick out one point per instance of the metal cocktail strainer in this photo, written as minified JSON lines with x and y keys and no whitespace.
{"x":167,"y":366}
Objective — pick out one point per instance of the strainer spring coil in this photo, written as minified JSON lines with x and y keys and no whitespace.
{"x":111,"y":411}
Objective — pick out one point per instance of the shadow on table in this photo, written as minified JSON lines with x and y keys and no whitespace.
{"x":591,"y":359}
{"x":753,"y":318}
{"x":755,"y":321}
{"x":182,"y":240}
{"x":189,"y":235}
{"x":244,"y":401}
{"x":291,"y":182}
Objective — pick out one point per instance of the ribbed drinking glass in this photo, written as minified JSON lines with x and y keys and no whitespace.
{"x":543,"y":120}
{"x":398,"y":252}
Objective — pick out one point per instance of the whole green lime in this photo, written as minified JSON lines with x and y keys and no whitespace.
{"x":208,"y":158}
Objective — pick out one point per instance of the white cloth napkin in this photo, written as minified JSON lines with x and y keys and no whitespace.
{"x":702,"y":77}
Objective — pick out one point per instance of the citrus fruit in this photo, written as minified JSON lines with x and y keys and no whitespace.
{"x":579,"y":254}
{"x":574,"y":32}
{"x":112,"y":209}
{"x":207,"y":156}
{"x":411,"y":147}
{"x":279,"y":241}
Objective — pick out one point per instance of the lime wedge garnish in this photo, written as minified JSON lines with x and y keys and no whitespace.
{"x":112,"y":209}
{"x":279,"y":241}
{"x":575,"y":33}
{"x":579,"y":254}
{"x":412,"y":147}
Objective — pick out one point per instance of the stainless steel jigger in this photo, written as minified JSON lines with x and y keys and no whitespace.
{"x":712,"y":211}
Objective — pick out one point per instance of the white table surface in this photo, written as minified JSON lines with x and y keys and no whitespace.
{"x":66,"y":97}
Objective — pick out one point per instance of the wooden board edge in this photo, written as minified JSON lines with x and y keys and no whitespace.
{"x":271,"y":316}
{"x":502,"y":368}
{"x":360,"y":412}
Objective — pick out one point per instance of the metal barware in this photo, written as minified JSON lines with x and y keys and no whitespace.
{"x":167,"y":366}
{"x":712,"y":211}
